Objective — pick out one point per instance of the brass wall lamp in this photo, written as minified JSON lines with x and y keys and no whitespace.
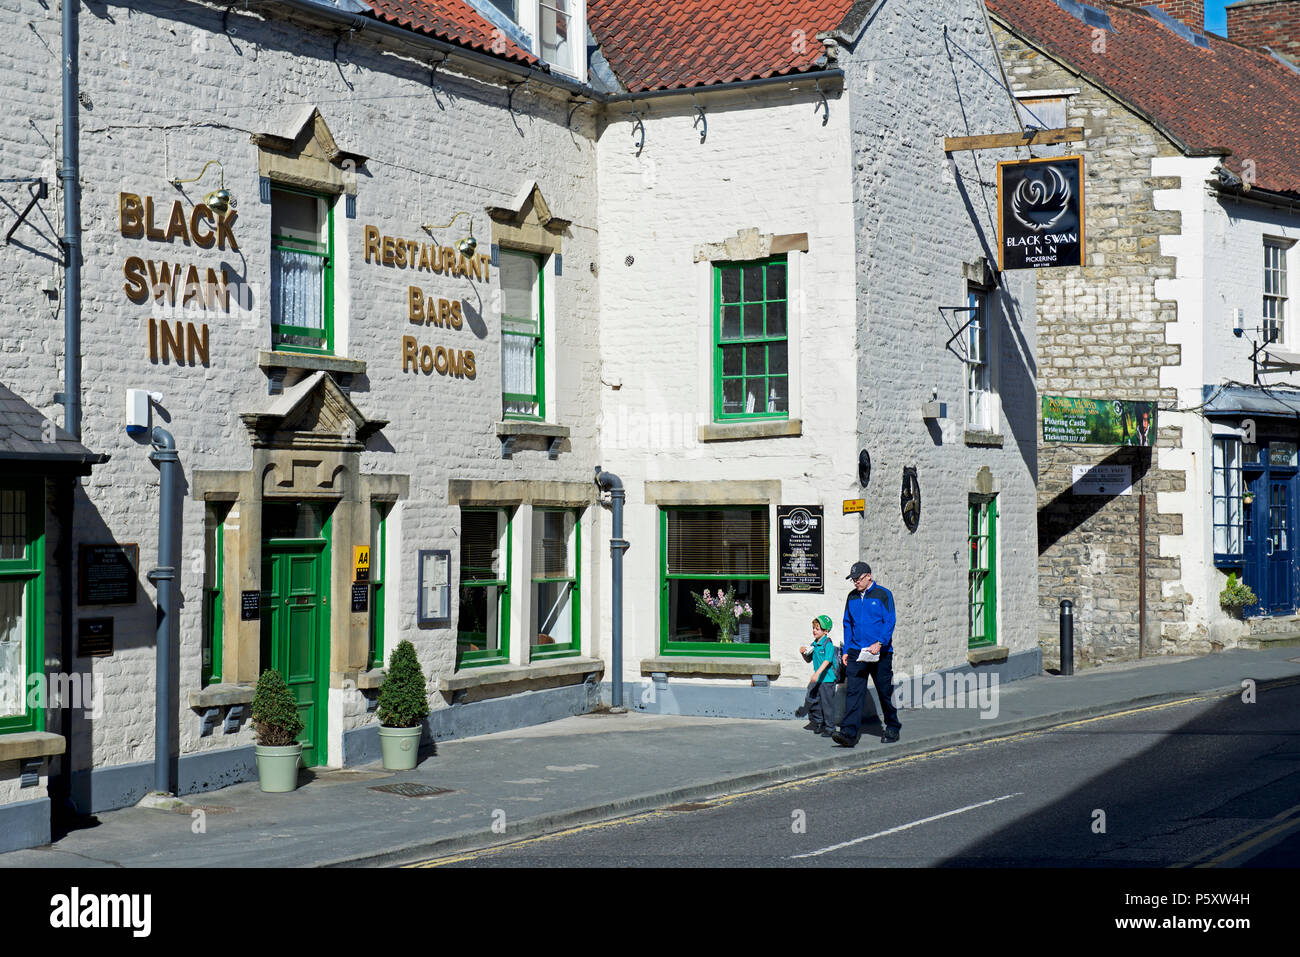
{"x":467,"y":245}
{"x":219,"y":200}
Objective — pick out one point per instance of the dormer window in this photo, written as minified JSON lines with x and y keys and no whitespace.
{"x":556,"y":29}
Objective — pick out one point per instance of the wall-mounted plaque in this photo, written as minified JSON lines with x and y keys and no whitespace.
{"x":360,"y":597}
{"x":107,"y":574}
{"x":800,"y":536}
{"x":94,"y":637}
{"x":250,"y":605}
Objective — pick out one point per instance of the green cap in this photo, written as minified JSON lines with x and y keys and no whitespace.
{"x":824,"y":621}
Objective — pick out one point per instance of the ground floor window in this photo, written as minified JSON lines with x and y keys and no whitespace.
{"x":716,"y":550}
{"x":1227,"y":506}
{"x":556,"y":603}
{"x":22,"y":606}
{"x":982,"y":601}
{"x":214,"y":533}
{"x":378,"y":552}
{"x":483,"y":622}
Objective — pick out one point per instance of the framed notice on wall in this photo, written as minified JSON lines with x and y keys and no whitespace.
{"x":800,"y":538}
{"x":434,"y":587}
{"x":106,"y":574}
{"x":1040,"y":213}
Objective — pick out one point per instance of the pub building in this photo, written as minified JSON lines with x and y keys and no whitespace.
{"x":399,"y":279}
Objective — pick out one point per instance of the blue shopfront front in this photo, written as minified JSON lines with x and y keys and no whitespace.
{"x":1256,"y":435}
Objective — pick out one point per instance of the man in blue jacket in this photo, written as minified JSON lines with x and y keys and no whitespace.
{"x":868,"y":634}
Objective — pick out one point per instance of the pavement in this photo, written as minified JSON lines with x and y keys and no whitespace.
{"x":516,"y":784}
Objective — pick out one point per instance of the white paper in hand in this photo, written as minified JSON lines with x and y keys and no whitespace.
{"x":865,"y":655}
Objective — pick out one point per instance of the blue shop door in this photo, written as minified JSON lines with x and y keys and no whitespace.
{"x":1278,"y":548}
{"x":1253,"y":552}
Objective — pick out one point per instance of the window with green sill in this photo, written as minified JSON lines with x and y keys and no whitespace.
{"x":982,"y":599}
{"x":378,"y":555}
{"x":523,"y":365}
{"x":751,"y":374}
{"x":302,"y":272}
{"x":483,"y":622}
{"x":718,"y":549}
{"x":557,"y":543}
{"x":22,"y":601}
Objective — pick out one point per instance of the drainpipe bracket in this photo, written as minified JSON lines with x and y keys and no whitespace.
{"x":163,"y":573}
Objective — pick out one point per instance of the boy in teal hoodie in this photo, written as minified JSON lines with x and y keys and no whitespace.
{"x":819,"y":704}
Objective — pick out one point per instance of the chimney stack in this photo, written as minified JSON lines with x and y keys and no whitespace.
{"x":1267,"y":23}
{"x":1190,"y":12}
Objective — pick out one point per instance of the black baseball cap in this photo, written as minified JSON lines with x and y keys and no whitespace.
{"x":859,"y":569}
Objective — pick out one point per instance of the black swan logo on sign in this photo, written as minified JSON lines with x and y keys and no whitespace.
{"x":1039,"y":203}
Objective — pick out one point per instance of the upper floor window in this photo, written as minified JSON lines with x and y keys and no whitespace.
{"x":1275,"y":289}
{"x":302,"y":272}
{"x":979,"y":373}
{"x":557,"y":29}
{"x":523,"y":387}
{"x":750,"y":336}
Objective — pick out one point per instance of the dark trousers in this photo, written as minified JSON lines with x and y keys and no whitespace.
{"x":882,"y":673}
{"x":820,"y":702}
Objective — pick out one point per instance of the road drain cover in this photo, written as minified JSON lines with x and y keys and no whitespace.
{"x":696,"y":806}
{"x":411,"y":790}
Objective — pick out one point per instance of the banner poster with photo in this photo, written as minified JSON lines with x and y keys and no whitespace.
{"x":1098,"y":421}
{"x":1040,"y":213}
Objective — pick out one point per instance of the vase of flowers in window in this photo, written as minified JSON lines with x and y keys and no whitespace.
{"x":724,"y":611}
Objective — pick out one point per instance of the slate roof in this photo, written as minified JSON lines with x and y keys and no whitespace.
{"x":1225,"y":98}
{"x":671,"y":44}
{"x":22,"y":433}
{"x":453,"y":21}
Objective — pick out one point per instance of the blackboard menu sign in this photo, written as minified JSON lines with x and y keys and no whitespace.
{"x":94,"y":637}
{"x":106,"y":574}
{"x":360,"y":597}
{"x":250,"y":605}
{"x":799,"y":537}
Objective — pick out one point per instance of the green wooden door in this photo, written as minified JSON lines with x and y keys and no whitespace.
{"x":295,"y":636}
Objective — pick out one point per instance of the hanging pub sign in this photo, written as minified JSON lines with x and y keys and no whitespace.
{"x":1098,"y":421}
{"x":799,"y":537}
{"x":1040,"y":213}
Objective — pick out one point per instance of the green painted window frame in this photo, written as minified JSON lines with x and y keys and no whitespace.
{"x":713,"y":649}
{"x":213,"y":600}
{"x":574,"y":645}
{"x":539,"y":347}
{"x":379,"y":541}
{"x":487,"y":656}
{"x":325,"y":250}
{"x":982,"y":592}
{"x":767,"y":340}
{"x":31,"y":569}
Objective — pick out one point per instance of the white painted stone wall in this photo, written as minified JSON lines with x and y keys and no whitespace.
{"x":769,"y":164}
{"x":1220,"y":269}
{"x":917,"y":220}
{"x":163,"y":95}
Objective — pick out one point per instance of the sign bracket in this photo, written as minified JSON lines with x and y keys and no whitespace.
{"x":1028,"y":137}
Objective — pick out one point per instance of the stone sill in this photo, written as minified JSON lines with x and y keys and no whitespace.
{"x":736,"y":431}
{"x":30,"y":744}
{"x":981,"y":656}
{"x":525,"y":427}
{"x":221,"y":696}
{"x":686,"y":667}
{"x":990,"y":439}
{"x":310,"y":361}
{"x":370,"y":680}
{"x":507,"y":674}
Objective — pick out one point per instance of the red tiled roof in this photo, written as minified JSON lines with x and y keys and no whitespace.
{"x":452,"y":20}
{"x":1225,"y":97}
{"x":668,"y":44}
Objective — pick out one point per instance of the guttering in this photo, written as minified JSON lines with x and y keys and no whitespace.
{"x":1257,"y":196}
{"x":373,"y":25}
{"x":785,"y":79}
{"x":71,"y":241}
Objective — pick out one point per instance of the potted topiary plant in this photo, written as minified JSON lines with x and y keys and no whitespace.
{"x":403,"y":703}
{"x":277,"y":723}
{"x":1236,"y":595}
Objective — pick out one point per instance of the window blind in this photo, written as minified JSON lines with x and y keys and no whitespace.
{"x":718,"y":542}
{"x":479,"y":545}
